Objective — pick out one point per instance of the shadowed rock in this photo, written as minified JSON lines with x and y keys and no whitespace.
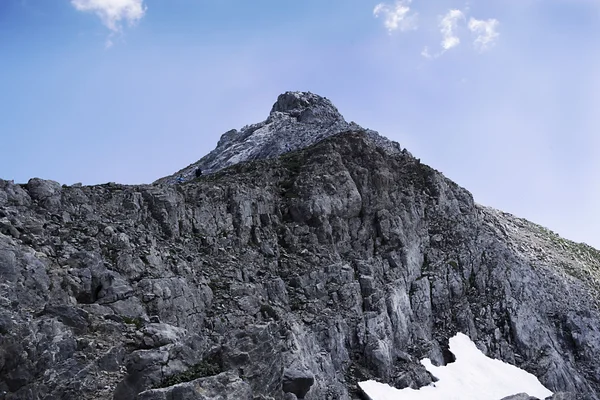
{"x":297,"y":381}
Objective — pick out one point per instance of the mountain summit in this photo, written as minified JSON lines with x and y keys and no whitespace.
{"x":296,"y":121}
{"x":306,"y":107}
{"x":296,"y":276}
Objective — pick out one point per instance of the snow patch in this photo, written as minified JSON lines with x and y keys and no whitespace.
{"x":473,"y":376}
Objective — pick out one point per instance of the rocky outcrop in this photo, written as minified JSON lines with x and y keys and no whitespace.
{"x":282,"y":278}
{"x":297,"y":381}
{"x":520,"y":396}
{"x":556,"y":396}
{"x":225,"y":386}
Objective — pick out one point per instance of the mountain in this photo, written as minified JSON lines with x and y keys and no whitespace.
{"x":295,"y":274}
{"x":296,"y":121}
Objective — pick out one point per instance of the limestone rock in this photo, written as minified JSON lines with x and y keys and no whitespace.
{"x":297,"y":381}
{"x":225,"y":386}
{"x":283,"y":277}
{"x":520,"y":396}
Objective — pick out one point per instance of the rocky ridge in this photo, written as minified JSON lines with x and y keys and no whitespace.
{"x":282,"y":278}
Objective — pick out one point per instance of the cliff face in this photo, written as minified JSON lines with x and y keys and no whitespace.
{"x":291,"y":277}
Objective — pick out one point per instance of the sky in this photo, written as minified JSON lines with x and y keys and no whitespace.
{"x":472,"y":376}
{"x":499,"y":95}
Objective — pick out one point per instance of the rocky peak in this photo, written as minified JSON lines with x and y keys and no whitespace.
{"x":297,"y":120}
{"x":306,"y":107}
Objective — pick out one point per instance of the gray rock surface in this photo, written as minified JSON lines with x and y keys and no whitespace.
{"x":566,"y":396}
{"x":298,"y":381}
{"x":342,"y":262}
{"x":225,"y":386}
{"x":555,"y":396}
{"x":296,"y":121}
{"x":520,"y":396}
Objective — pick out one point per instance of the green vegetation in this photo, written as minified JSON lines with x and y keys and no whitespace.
{"x":207,"y":367}
{"x":134,"y":321}
{"x":581,"y":251}
{"x":287,"y":189}
{"x":587,"y":265}
{"x":217,"y":284}
{"x":293,"y":162}
{"x":426,"y":264}
{"x":472,"y":281}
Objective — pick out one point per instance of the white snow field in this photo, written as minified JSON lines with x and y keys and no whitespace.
{"x":473,"y":376}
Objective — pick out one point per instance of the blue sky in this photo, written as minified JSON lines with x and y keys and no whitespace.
{"x":129,"y":95}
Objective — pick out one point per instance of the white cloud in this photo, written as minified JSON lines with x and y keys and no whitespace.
{"x":450,"y":23}
{"x":486,"y":32}
{"x":452,"y":26}
{"x":113,"y":12}
{"x":449,"y":27}
{"x":425,"y":53}
{"x":397,"y":16}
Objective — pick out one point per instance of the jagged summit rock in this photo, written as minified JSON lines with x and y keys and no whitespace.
{"x":297,"y":120}
{"x":306,"y":107}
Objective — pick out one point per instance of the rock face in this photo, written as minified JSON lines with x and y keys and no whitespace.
{"x":225,"y":386}
{"x":297,"y":120}
{"x":282,"y":278}
{"x":520,"y":396}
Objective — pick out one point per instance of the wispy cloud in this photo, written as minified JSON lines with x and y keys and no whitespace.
{"x":486,"y":31}
{"x":449,"y":24}
{"x":449,"y":27}
{"x":113,"y":13}
{"x":453,"y":26}
{"x":425,"y":53}
{"x":397,"y":16}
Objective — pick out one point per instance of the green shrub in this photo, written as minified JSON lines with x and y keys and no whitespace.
{"x":134,"y":321}
{"x":207,"y":367}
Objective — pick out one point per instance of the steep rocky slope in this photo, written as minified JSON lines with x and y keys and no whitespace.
{"x":288,"y":277}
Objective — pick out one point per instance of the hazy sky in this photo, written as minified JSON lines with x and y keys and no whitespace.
{"x":502,"y":96}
